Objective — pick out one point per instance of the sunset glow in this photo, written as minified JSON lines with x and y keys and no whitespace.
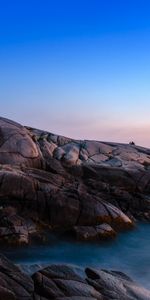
{"x":77,"y":69}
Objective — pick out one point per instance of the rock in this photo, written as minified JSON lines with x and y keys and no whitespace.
{"x":118,"y":219}
{"x":13,"y":283}
{"x":6,"y":294}
{"x":91,"y":233}
{"x":85,"y":233}
{"x":98,"y":158}
{"x":67,"y":282}
{"x":14,"y":235}
{"x":63,"y":183}
{"x":116,"y":285}
{"x":76,"y":283}
{"x":95,"y":211}
{"x":94,"y":147}
{"x":59,"y":153}
{"x":64,"y":210}
{"x":13,"y":228}
{"x":83,"y":154}
{"x":30,"y":269}
{"x":17,"y":146}
{"x":63,"y":281}
{"x":105,"y":231}
{"x":76,"y":298}
{"x":47,"y":148}
{"x":71,"y":154}
{"x":114,"y":162}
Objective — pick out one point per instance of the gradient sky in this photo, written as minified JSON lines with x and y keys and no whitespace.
{"x":79,"y":68}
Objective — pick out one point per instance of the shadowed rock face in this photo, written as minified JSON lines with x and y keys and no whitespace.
{"x":89,"y":188}
{"x":62,"y":282}
{"x":14,"y":284}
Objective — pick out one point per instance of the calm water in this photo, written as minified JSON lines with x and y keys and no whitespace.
{"x":130,"y":253}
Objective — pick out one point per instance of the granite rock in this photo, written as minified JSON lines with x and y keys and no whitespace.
{"x":67,"y":282}
{"x":65,"y":183}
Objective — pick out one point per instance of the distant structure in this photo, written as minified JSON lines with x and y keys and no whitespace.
{"x":132,"y":143}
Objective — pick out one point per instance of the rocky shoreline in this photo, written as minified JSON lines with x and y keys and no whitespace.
{"x":87,"y":189}
{"x":67,"y":282}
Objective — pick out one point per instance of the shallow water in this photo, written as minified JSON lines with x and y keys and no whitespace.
{"x":129,"y":253}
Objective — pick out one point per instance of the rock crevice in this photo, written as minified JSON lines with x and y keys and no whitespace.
{"x":66,"y":183}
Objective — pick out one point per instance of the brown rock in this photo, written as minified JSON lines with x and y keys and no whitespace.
{"x":85,"y":233}
{"x":17,"y":146}
{"x":13,"y":282}
{"x":65,"y":282}
{"x":91,"y":233}
{"x":105,"y":231}
{"x":50,"y":179}
{"x":116,"y":285}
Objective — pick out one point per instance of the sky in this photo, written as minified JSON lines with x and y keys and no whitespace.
{"x":79,"y":68}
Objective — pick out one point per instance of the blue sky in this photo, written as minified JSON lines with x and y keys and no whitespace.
{"x":77,"y":68}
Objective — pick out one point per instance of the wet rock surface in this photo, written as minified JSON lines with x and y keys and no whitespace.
{"x":69,"y":185}
{"x":67,"y":282}
{"x":94,"y":233}
{"x":14,"y":284}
